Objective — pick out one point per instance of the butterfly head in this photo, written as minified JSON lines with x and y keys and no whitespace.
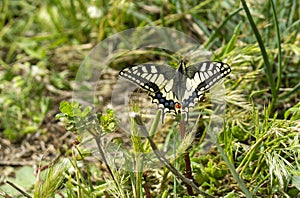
{"x":182,"y":67}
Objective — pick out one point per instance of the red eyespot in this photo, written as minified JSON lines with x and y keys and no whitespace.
{"x":177,"y":105}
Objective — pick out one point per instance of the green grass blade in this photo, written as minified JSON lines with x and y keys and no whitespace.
{"x":292,"y":12}
{"x":267,"y":65}
{"x":291,"y":92}
{"x":279,"y":69}
{"x":231,"y":45}
{"x":295,"y":25}
{"x":4,"y":12}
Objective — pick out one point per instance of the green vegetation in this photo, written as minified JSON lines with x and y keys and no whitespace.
{"x":255,"y":154}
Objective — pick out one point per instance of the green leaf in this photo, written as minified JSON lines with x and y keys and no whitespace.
{"x":65,"y":108}
{"x":25,"y":177}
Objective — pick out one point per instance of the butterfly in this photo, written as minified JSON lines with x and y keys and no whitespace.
{"x":176,"y":90}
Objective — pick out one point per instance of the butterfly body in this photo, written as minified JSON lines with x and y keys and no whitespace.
{"x":176,"y":90}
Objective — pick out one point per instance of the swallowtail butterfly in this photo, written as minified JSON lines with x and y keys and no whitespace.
{"x":175,"y":91}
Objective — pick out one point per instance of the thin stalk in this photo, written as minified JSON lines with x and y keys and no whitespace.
{"x":146,"y":187}
{"x":18,"y":189}
{"x":104,"y":158}
{"x":188,"y":169}
{"x":137,"y":148}
{"x":138,"y":174}
{"x":78,"y":178}
{"x":188,"y":173}
{"x":97,"y":138}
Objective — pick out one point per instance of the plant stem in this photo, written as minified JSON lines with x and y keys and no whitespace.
{"x":97,"y":138}
{"x":103,"y":157}
{"x":188,"y":169}
{"x":146,"y":187}
{"x":188,"y":173}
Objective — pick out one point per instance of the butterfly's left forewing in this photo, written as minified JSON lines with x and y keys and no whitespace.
{"x":158,"y":80}
{"x":145,"y":75}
